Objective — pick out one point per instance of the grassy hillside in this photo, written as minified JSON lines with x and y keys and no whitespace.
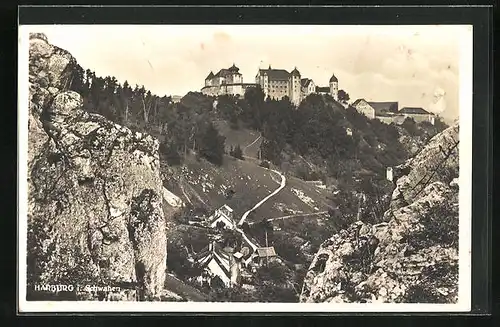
{"x":204,"y":185}
{"x":247,"y":139}
{"x":307,"y":143}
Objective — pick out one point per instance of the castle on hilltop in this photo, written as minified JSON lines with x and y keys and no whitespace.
{"x":227,"y":81}
{"x":278,"y":83}
{"x":275,"y":83}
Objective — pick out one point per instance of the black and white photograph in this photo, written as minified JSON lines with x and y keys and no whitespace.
{"x":277,"y":167}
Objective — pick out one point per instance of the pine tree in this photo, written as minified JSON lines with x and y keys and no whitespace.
{"x":237,"y":152}
{"x":212,"y":145}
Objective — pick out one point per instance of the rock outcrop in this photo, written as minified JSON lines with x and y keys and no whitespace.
{"x":410,"y":257}
{"x":95,"y":195}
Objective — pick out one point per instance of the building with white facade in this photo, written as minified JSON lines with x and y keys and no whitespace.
{"x":227,"y":81}
{"x":388,"y":112}
{"x":222,"y":215}
{"x":279,"y":83}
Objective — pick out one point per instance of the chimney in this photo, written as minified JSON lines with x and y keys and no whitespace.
{"x":269,"y":66}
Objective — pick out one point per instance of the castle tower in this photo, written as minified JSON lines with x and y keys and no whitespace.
{"x":235,"y":74}
{"x":295,"y":87}
{"x":334,"y":87}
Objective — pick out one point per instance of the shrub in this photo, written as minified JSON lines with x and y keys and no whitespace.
{"x":265,"y":164}
{"x":170,"y":153}
{"x":440,"y":227}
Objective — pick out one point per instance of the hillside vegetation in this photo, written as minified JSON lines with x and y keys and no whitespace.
{"x":213,"y":151}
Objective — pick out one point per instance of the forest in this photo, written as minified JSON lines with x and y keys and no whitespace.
{"x":315,"y":130}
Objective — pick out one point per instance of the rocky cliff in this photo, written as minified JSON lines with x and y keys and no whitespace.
{"x":410,"y":257}
{"x":95,"y":206}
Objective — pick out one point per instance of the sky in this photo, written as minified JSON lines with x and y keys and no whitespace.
{"x":418,"y":66}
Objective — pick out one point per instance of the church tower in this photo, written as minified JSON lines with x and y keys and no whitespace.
{"x":334,"y":87}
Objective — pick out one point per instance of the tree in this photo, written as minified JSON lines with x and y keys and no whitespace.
{"x":274,"y":284}
{"x":220,"y":225}
{"x":237,"y":152}
{"x":254,"y":96}
{"x":217,"y":284}
{"x":343,"y":96}
{"x":212,"y":145}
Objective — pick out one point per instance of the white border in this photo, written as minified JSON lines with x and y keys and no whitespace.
{"x":465,"y":215}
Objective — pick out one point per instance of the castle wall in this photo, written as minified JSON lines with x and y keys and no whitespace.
{"x":278,"y":89}
{"x":421,"y":118}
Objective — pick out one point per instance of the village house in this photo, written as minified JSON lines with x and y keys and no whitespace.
{"x":386,"y":112}
{"x":264,"y":255}
{"x":307,"y":86}
{"x":223,"y":263}
{"x":418,"y":114}
{"x":223,"y":215}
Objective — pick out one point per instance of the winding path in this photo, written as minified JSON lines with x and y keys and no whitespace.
{"x":296,"y":215}
{"x":245,"y":215}
{"x":258,"y":138}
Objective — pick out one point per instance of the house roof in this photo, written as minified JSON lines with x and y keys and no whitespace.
{"x":210,"y":76}
{"x":228,"y":208}
{"x":324,"y":89}
{"x":304,"y":82}
{"x":333,"y":78}
{"x":218,"y":214}
{"x":223,"y":73}
{"x":217,"y":254}
{"x":355,"y":103}
{"x":382,"y":107}
{"x":276,"y":74}
{"x":233,"y":68}
{"x":266,"y":252}
{"x":221,"y":217}
{"x":295,"y":71}
{"x":414,"y":110}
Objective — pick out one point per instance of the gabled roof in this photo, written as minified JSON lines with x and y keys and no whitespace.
{"x":414,"y":110}
{"x":355,"y":103}
{"x":304,"y":82}
{"x":266,"y":252}
{"x":210,"y":76}
{"x":216,"y":216}
{"x":228,"y":208}
{"x":383,"y":107}
{"x":218,"y":255}
{"x":276,"y":74}
{"x":333,"y":78}
{"x":223,"y":73}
